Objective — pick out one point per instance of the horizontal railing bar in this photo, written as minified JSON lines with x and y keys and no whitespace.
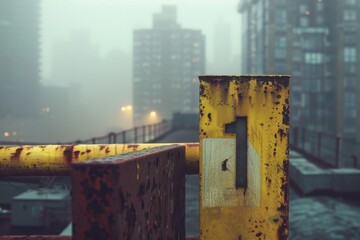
{"x":55,"y":160}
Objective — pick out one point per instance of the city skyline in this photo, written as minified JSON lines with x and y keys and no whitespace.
{"x":113,"y":30}
{"x":167,"y":60}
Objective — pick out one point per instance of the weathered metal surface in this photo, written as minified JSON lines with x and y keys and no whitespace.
{"x":45,"y":237}
{"x":258,"y":207}
{"x":56,"y":159}
{"x":139,"y":195}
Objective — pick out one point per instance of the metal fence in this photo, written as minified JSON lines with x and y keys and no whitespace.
{"x":141,"y":134}
{"x":331,"y":150}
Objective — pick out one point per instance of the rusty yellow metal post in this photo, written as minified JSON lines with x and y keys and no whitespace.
{"x":244,"y":126}
{"x":56,"y":159}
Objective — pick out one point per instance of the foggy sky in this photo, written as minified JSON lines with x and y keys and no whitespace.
{"x":111,"y":22}
{"x":96,"y":37}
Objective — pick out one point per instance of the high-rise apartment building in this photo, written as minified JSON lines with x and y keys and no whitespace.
{"x":19,"y":58}
{"x":316,"y":42}
{"x":167,"y":60}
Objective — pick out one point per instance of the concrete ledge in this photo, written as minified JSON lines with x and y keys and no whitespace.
{"x":309,"y":177}
{"x":346,"y":180}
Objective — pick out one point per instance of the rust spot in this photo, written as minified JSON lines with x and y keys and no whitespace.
{"x":282,"y":134}
{"x":201,"y":112}
{"x":68,"y":154}
{"x":258,"y":234}
{"x":283,"y":209}
{"x":88,"y":150}
{"x":16,"y":155}
{"x":28,"y":153}
{"x":209,"y":117}
{"x":285,"y":113}
{"x":76,"y":154}
{"x":133,"y":146}
{"x":102,"y":147}
{"x":202,"y":90}
{"x":269,"y":181}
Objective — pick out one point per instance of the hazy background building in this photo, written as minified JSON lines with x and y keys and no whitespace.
{"x":19,"y":58}
{"x":19,"y":65}
{"x":315,"y":42}
{"x":167,"y":61}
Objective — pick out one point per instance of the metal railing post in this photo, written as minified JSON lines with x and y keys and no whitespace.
{"x":135,"y":135}
{"x":337,"y":151}
{"x":319,"y":145}
{"x":112,"y":138}
{"x":123,"y":136}
{"x":144,"y":133}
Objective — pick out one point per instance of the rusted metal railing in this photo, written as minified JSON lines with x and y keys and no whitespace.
{"x":143,"y":134}
{"x":329,"y":149}
{"x":56,"y":160}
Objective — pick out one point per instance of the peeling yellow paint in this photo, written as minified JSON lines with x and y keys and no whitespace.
{"x":259,"y":211}
{"x":56,"y":159}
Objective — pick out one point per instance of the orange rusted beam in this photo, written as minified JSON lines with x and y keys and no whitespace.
{"x":56,"y":159}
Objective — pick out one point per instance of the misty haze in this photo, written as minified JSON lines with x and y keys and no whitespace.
{"x":109,"y":72}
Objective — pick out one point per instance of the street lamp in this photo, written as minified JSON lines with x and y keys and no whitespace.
{"x":126,"y":117}
{"x":153,"y":114}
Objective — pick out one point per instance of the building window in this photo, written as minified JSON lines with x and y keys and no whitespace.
{"x":280,"y":18}
{"x":320,"y":6}
{"x":314,"y":58}
{"x":350,"y":55}
{"x":304,"y":22}
{"x":303,"y":8}
{"x":350,"y":2}
{"x":350,"y":105}
{"x":350,"y":68}
{"x":280,"y":53}
{"x":319,"y":20}
{"x":350,"y":15}
{"x":349,"y":82}
{"x":350,"y":38}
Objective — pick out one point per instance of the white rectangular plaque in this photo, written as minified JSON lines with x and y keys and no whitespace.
{"x":219,"y":174}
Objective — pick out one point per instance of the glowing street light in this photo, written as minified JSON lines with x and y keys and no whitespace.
{"x":153,"y":114}
{"x":6,"y":134}
{"x":127,"y":108}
